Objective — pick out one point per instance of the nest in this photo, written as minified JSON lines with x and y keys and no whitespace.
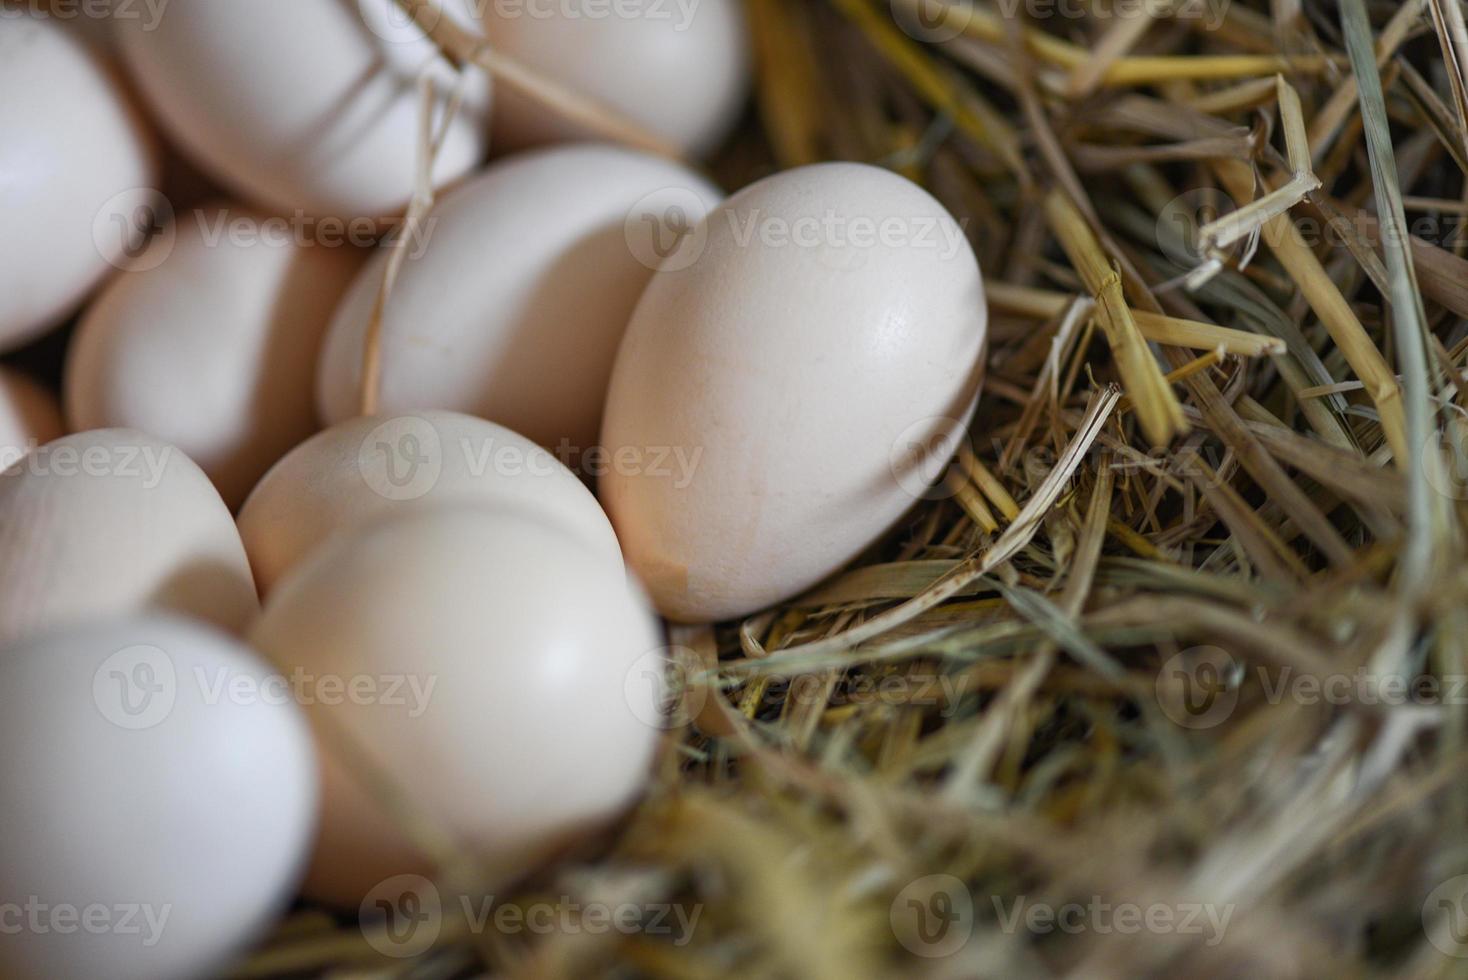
{"x":1167,"y":676}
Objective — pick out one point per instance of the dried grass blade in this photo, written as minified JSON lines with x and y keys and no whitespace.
{"x":464,"y":47}
{"x":1158,"y":410}
{"x":1015,"y":537}
{"x":1284,"y":239}
{"x":1408,"y":314}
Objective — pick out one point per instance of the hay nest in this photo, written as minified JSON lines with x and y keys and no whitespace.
{"x":1168,"y":676}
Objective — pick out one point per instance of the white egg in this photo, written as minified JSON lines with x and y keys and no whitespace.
{"x":816,"y":363}
{"x":113,"y":522}
{"x":308,"y":105}
{"x":514,"y":307}
{"x":681,"y":69}
{"x":75,"y":160}
{"x":367,"y":469}
{"x":29,"y":416}
{"x":211,"y":344}
{"x":160,"y":794}
{"x":525,"y":682}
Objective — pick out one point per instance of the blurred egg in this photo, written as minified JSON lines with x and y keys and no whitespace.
{"x":307,"y":105}
{"x":112,"y":522}
{"x":679,"y":69}
{"x":29,"y":416}
{"x":815,"y":366}
{"x":368,"y":468}
{"x":211,"y":343}
{"x":514,"y":309}
{"x":161,"y":790}
{"x":525,"y":682}
{"x":75,"y":162}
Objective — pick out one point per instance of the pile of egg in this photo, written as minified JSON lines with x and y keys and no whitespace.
{"x":225,"y":595}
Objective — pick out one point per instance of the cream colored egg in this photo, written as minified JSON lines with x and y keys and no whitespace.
{"x":74,"y":157}
{"x":818,"y":361}
{"x":112,"y":522}
{"x":525,"y":676}
{"x":29,"y":416}
{"x":303,"y":104}
{"x":91,"y":20}
{"x":211,"y":344}
{"x":681,"y":69}
{"x":160,"y":795}
{"x":514,"y":309}
{"x":370,"y":468}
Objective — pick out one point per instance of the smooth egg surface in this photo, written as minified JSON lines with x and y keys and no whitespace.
{"x":29,"y":416}
{"x":75,"y":162}
{"x":370,"y":468}
{"x":160,"y":794}
{"x":304,"y":105}
{"x":211,"y":343}
{"x":525,"y":719}
{"x":514,"y":310}
{"x":819,"y":358}
{"x":112,"y":522}
{"x":682,"y":70}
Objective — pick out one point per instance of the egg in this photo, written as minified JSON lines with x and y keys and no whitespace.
{"x":74,"y":165}
{"x":304,"y":105}
{"x":367,"y":469}
{"x":29,"y":416}
{"x":681,"y":70}
{"x":160,"y":797}
{"x":91,"y":20}
{"x":515,"y":308}
{"x":211,"y":343}
{"x":521,"y":716}
{"x":112,"y":522}
{"x":816,"y":364}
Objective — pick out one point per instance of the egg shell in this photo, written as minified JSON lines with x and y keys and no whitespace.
{"x":113,"y":522}
{"x":531,"y":725}
{"x":307,"y":105}
{"x":681,"y":70}
{"x":91,"y":20}
{"x":818,"y":369}
{"x":515,"y":309}
{"x":73,"y":150}
{"x":367,"y":469}
{"x":157,"y":780}
{"x":211,"y":344}
{"x":29,"y":416}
